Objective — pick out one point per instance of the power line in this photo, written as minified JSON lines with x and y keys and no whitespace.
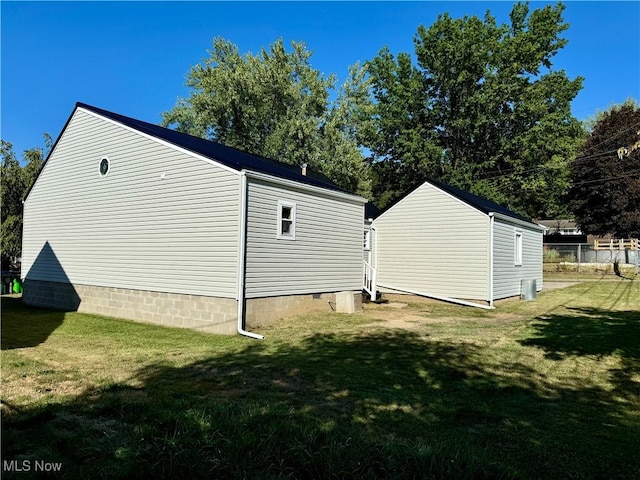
{"x":598,"y":180}
{"x":633,"y":127}
{"x":514,"y":171}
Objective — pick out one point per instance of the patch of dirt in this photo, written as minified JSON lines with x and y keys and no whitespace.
{"x":413,"y":313}
{"x":405,"y":317}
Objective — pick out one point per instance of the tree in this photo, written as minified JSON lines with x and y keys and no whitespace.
{"x":403,"y":137}
{"x":346,"y":121}
{"x":12,"y":190}
{"x":482,"y":109}
{"x":34,"y":159}
{"x":273,"y":104}
{"x":14,"y":185}
{"x":605,"y":196}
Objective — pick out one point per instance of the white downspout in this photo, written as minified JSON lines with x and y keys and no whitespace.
{"x":242,"y":258}
{"x":491,"y":221}
{"x":374,"y":246}
{"x":374,"y":261}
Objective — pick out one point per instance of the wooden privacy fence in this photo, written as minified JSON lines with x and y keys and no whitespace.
{"x":617,"y":244}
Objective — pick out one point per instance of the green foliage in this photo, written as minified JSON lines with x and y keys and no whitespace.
{"x":11,"y":190}
{"x":341,"y":159}
{"x":34,"y":159}
{"x":14,"y":185}
{"x":605,"y":197}
{"x":402,"y":132}
{"x":276,"y":105}
{"x":482,"y":110}
{"x":11,"y":231}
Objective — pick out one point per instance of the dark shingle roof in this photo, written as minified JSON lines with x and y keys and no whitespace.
{"x":231,"y":157}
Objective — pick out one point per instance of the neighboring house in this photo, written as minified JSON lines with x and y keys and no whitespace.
{"x":562,"y":230}
{"x":445,"y":243}
{"x":567,"y":231}
{"x":138,"y":221}
{"x":561,"y":226}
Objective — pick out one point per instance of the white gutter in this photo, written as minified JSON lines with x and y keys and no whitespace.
{"x":491,"y":221}
{"x":305,"y":186}
{"x":440,"y":297}
{"x":517,"y":221}
{"x":242,"y":258}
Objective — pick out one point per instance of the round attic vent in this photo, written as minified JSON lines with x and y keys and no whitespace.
{"x":104,"y":167}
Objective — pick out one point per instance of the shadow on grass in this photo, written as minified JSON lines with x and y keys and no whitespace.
{"x":588,"y":331}
{"x":29,"y":326}
{"x":387,"y":404}
{"x":594,"y":332}
{"x":26,"y":326}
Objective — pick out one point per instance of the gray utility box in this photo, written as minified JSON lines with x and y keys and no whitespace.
{"x":528,"y":290}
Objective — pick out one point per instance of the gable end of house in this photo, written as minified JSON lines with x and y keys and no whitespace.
{"x":228,"y":158}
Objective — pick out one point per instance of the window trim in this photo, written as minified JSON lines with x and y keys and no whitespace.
{"x":292,"y":233}
{"x":104,"y":175}
{"x":518,"y":241}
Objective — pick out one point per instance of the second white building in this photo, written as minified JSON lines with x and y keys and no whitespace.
{"x":442,"y":242}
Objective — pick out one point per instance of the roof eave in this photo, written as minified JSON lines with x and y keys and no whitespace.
{"x":304,"y":186}
{"x":517,"y":221}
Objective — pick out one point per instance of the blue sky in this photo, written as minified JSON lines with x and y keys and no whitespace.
{"x":132,"y":57}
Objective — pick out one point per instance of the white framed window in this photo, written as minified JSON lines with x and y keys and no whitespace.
{"x":367,"y":240}
{"x":104,"y":166}
{"x":517,"y":260}
{"x":286,"y":220}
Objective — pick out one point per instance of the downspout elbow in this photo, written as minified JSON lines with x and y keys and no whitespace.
{"x":242,"y":259}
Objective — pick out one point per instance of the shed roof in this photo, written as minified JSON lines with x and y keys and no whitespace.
{"x":479,"y":203}
{"x":231,"y":157}
{"x":483,"y":204}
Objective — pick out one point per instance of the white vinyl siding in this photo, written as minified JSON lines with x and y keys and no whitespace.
{"x":432,"y":243}
{"x":507,"y":274}
{"x":326,"y":255}
{"x":160,"y":220}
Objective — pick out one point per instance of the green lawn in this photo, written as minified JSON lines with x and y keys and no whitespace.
{"x":543,"y":389}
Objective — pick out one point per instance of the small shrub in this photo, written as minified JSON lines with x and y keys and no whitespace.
{"x":550,"y":256}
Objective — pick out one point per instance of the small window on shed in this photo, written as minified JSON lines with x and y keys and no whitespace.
{"x":518,"y":249}
{"x":286,"y":220}
{"x":104,"y":166}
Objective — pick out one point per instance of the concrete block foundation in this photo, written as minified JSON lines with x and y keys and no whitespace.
{"x":268,"y":310}
{"x":197,"y":312}
{"x":206,"y":314}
